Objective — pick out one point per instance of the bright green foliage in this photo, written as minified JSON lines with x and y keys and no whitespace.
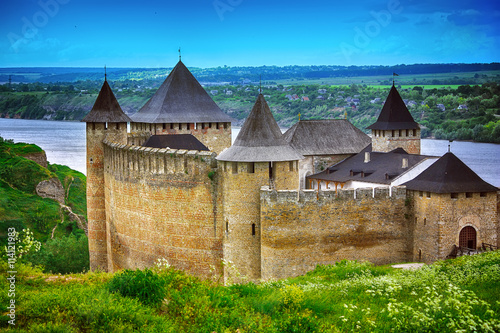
{"x":21,"y":208}
{"x":144,"y":285}
{"x":458,"y":295}
{"x":75,"y":184}
{"x":64,"y":255}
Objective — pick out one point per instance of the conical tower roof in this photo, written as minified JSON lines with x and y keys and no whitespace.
{"x":180,"y":99}
{"x":260,"y":139}
{"x":106,"y":108}
{"x":394,"y":114}
{"x":449,"y":175}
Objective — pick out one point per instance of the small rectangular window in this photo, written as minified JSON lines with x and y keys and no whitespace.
{"x":454,"y":195}
{"x":172,"y":126}
{"x":235,"y":167}
{"x":164,"y":126}
{"x":251,"y":167}
{"x":469,"y":194}
{"x":483,"y":194}
{"x":253,"y":229}
{"x":420,"y":193}
{"x":180,"y":126}
{"x":188,"y":126}
{"x":428,"y":194}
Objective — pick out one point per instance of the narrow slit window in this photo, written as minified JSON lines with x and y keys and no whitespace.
{"x":253,"y":229}
{"x":251,"y":167}
{"x":235,"y":167}
{"x":290,"y":165}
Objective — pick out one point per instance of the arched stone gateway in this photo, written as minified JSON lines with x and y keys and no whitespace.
{"x":468,"y":238}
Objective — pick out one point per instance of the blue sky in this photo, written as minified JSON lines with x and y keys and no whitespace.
{"x":211,"y":33}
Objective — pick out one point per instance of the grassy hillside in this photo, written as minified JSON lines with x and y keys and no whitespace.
{"x":458,"y":295}
{"x":21,"y":208}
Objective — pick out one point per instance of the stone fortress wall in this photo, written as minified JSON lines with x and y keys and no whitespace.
{"x":162,"y":203}
{"x":302,"y":229}
{"x":194,"y":211}
{"x":439,"y":218}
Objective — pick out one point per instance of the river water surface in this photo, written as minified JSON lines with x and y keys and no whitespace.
{"x":64,"y":143}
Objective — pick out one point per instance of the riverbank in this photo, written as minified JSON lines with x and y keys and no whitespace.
{"x":65,"y":143}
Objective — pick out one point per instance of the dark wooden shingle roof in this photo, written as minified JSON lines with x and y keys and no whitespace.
{"x":106,"y":108}
{"x":175,"y":141}
{"x":260,"y":139}
{"x":382,"y":168}
{"x":180,"y":99}
{"x":326,"y":137}
{"x":449,"y":175}
{"x":394,"y":114}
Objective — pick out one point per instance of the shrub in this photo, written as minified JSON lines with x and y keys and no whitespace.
{"x":67,"y":254}
{"x":144,"y":285}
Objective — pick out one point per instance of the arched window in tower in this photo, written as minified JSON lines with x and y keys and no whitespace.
{"x":468,"y":238}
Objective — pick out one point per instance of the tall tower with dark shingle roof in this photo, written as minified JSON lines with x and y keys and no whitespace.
{"x":106,"y":120}
{"x":260,"y":156}
{"x":182,"y":106}
{"x":395,"y":127}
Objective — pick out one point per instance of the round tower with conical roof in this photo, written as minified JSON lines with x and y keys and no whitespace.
{"x":106,"y":120}
{"x":259,"y":157}
{"x":182,"y":106}
{"x":395,"y":127}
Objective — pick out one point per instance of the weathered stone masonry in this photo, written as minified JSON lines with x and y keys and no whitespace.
{"x":302,"y":229}
{"x":162,"y":204}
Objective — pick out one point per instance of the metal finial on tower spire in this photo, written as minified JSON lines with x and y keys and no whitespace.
{"x":105,"y":74}
{"x":449,"y":145}
{"x":393,"y":75}
{"x":179,"y":53}
{"x":260,"y":84}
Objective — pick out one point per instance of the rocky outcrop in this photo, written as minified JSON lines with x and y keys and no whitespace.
{"x":80,"y":220}
{"x":40,"y":158}
{"x":51,"y":189}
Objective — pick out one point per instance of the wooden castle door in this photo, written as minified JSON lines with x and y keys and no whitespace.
{"x":467,"y":237}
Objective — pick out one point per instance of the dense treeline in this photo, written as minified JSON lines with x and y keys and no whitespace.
{"x":236,"y":73}
{"x":465,"y":113}
{"x":468,"y":112}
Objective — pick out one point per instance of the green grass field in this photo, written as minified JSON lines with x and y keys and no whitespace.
{"x":459,"y":295}
{"x":403,"y":80}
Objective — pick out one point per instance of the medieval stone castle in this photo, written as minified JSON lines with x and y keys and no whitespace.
{"x":273,"y":205}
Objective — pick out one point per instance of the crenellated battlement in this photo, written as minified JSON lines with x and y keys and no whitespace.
{"x":129,"y":161}
{"x":322,"y":196}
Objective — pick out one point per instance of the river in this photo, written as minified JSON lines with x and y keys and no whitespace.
{"x":64,"y":143}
